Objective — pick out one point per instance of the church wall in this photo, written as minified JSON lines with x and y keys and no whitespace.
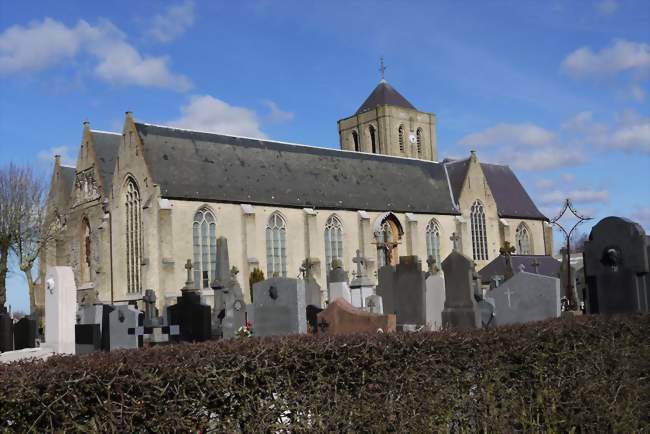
{"x":536,"y":232}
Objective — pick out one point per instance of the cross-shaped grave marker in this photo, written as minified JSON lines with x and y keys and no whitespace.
{"x":454,"y":239}
{"x":431,"y":263}
{"x":360,"y":261}
{"x":189,"y":283}
{"x":535,"y":264}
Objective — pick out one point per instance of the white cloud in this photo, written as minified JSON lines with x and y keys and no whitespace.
{"x":173,"y":22}
{"x":207,"y":113}
{"x":46,"y":156}
{"x":276,"y":114}
{"x":509,"y":134}
{"x":631,"y":138}
{"x":577,"y":196}
{"x":568,"y":177}
{"x":606,"y":7}
{"x":630,"y":132}
{"x":620,"y":56}
{"x":544,"y":184}
{"x":44,"y":44}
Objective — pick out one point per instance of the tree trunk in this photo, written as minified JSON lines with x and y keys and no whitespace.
{"x":32,"y":289}
{"x":4,"y":268}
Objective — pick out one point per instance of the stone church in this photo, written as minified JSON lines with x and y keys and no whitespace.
{"x":142,"y":201}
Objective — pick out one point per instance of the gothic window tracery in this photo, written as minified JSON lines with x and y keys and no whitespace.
{"x":133,"y":209}
{"x":419,"y":141}
{"x":333,"y":240}
{"x":479,"y":233}
{"x":522,"y":240}
{"x":400,"y":132}
{"x":276,"y":246}
{"x":387,"y":239}
{"x":85,"y":252}
{"x":433,"y":241}
{"x":204,"y":237}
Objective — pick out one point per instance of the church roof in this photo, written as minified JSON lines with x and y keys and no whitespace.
{"x":384,"y":94}
{"x":106,"y":147}
{"x":548,"y":266}
{"x":212,"y":167}
{"x":511,"y":198}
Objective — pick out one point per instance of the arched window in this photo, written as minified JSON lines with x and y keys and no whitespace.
{"x":276,"y":246}
{"x":204,"y":237}
{"x":85,"y":252}
{"x":419,"y":142}
{"x":479,"y":234}
{"x":387,"y":238}
{"x":433,"y":241}
{"x":133,"y":209}
{"x":522,"y":240}
{"x":355,"y":139}
{"x":400,"y":132}
{"x":333,"y":241}
{"x":373,"y":143}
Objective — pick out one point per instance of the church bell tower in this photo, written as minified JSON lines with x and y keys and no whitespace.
{"x":386,"y":123}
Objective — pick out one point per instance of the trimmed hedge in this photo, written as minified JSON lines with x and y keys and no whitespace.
{"x":588,"y":374}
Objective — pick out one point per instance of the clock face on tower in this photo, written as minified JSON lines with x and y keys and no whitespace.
{"x":412,"y":138}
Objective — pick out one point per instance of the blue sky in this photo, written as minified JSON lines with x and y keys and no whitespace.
{"x":558,"y":90}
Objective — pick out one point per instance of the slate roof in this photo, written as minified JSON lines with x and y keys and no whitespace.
{"x":106,"y":148}
{"x":384,"y":94}
{"x":212,"y":167}
{"x":510,"y":196}
{"x":548,"y":266}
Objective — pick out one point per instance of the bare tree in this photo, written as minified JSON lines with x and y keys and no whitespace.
{"x":25,"y":227}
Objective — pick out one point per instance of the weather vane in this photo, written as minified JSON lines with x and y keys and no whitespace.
{"x":382,"y":68}
{"x":567,"y":235}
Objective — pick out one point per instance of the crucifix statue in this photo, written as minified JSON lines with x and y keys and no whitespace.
{"x":431,"y":263}
{"x":361,"y":262}
{"x":535,"y":264}
{"x":454,"y":239}
{"x":507,"y":250}
{"x":189,"y":283}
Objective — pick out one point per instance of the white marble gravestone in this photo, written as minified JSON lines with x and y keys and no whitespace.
{"x":340,"y":290}
{"x":434,"y":300}
{"x":120,"y":320}
{"x":526,"y":297}
{"x":60,"y":310}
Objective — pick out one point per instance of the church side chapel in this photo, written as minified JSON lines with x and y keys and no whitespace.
{"x":140,"y":202}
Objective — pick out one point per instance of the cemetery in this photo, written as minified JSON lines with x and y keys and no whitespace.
{"x":367,"y":338}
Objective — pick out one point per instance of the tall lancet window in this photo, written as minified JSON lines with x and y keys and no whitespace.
{"x":419,"y":141}
{"x":133,"y":209}
{"x":204,"y":236}
{"x":276,"y":246}
{"x":373,"y":139}
{"x":479,"y":233}
{"x":400,"y":133}
{"x":522,"y":240}
{"x":85,"y":252}
{"x":333,"y":241}
{"x":433,"y":241}
{"x":355,"y":139}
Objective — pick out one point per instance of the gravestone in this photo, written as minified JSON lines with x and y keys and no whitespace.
{"x":526,"y":297}
{"x":615,"y":262}
{"x":6,"y":331}
{"x":126,"y":326}
{"x":386,"y":287}
{"x":312,"y":318}
{"x":88,"y":338}
{"x":410,"y":295}
{"x":340,"y":317}
{"x":60,"y":310}
{"x":191,"y":316}
{"x":150,"y":312}
{"x":25,"y":333}
{"x":96,"y":314}
{"x":337,"y":273}
{"x":434,"y":300}
{"x":313,"y":293}
{"x":461,"y":309}
{"x":338,"y":283}
{"x":361,"y":286}
{"x":487,"y":312}
{"x":374,"y":304}
{"x":234,"y":307}
{"x":279,"y":307}
{"x":220,"y":286}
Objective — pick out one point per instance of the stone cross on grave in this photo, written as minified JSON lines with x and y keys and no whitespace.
{"x":535,"y":264}
{"x":509,"y":293}
{"x":454,"y":239}
{"x":431,"y":263}
{"x":506,"y":251}
{"x":522,"y":267}
{"x":149,"y":304}
{"x":360,"y":261}
{"x":189,"y":283}
{"x":305,"y":268}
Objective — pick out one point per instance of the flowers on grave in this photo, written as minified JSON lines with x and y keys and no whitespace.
{"x":245,"y":331}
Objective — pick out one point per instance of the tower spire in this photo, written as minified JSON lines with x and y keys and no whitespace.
{"x":382,"y":68}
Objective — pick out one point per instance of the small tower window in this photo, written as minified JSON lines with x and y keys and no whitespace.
{"x":401,"y":138}
{"x":419,"y":142}
{"x":355,"y":139}
{"x":373,"y":143}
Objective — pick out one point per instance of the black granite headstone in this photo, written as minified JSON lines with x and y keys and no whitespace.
{"x":410,"y":291}
{"x":6,"y":331}
{"x":192,"y":317}
{"x":312,"y":318}
{"x":386,"y":288}
{"x":25,"y":334}
{"x":87,"y":338}
{"x":615,"y":265}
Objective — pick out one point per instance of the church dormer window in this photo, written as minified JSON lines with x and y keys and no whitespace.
{"x":355,"y":139}
{"x":479,"y":234}
{"x":419,"y":142}
{"x":276,"y":246}
{"x":373,"y":143}
{"x":401,"y":138}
